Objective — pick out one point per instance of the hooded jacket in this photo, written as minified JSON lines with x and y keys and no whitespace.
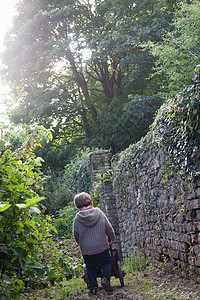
{"x":92,"y":231}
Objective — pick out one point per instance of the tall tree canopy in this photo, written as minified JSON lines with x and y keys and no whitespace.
{"x":77,"y":65}
{"x":179,"y":52}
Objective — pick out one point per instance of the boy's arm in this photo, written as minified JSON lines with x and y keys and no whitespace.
{"x":109,"y":231}
{"x":75,"y":233}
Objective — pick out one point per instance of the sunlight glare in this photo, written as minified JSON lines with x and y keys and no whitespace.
{"x":7,"y":11}
{"x":6,"y":15}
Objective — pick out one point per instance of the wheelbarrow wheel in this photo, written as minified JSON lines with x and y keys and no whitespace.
{"x":121,"y":277}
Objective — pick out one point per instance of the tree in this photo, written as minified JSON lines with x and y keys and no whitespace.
{"x":73,"y":63}
{"x":179,"y":52}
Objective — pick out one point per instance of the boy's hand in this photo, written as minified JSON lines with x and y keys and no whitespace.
{"x":110,"y":243}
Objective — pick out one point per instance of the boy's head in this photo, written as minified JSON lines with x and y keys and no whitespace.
{"x":82,"y":200}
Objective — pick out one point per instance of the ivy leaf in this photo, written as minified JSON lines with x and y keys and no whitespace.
{"x":5,"y":278}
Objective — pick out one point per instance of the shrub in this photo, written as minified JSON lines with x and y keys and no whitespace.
{"x":64,"y":221}
{"x":60,"y":189}
{"x":28,"y":255}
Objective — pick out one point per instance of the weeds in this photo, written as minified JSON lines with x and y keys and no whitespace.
{"x":142,"y":279}
{"x":71,"y":288}
{"x":136,"y":261}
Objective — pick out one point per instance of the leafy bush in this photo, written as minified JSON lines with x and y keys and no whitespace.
{"x":77,"y":177}
{"x":28,"y":255}
{"x":64,"y":221}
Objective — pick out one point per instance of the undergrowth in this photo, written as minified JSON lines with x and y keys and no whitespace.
{"x":142,"y":279}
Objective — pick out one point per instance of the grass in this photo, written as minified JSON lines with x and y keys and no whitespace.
{"x":135,"y":262}
{"x":142,"y":278}
{"x":66,"y":290}
{"x":72,"y":287}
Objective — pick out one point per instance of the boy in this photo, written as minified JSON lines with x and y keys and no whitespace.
{"x":94,"y":234}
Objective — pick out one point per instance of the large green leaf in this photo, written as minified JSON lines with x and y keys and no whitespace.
{"x":34,"y":209}
{"x":4,"y":206}
{"x":20,"y":251}
{"x":34,"y":200}
{"x":21,"y":205}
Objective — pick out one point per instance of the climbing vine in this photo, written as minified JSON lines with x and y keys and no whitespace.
{"x":175,"y":130}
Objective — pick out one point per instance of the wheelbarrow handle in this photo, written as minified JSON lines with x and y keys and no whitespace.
{"x":111,"y":251}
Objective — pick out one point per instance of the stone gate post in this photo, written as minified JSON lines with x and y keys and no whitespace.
{"x":100,"y":164}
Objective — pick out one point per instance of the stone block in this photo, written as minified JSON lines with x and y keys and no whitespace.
{"x":183,"y":228}
{"x":177,"y":227}
{"x":190,"y":215}
{"x":195,"y":250}
{"x":193,"y":204}
{"x":174,"y":245}
{"x":183,"y":247}
{"x":197,"y":261}
{"x":180,"y":218}
{"x":173,"y":254}
{"x":157,"y":241}
{"x":169,"y":235}
{"x":190,"y":227}
{"x":198,"y":214}
{"x":175,"y":236}
{"x":165,"y":251}
{"x":185,"y":238}
{"x":183,"y":257}
{"x":157,"y":256}
{"x":159,"y":249}
{"x":194,"y":239}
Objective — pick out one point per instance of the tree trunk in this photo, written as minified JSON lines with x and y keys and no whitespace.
{"x":80,"y":80}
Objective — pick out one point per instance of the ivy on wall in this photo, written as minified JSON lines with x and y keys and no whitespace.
{"x":175,"y":130}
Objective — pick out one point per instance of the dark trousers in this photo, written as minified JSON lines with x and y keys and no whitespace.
{"x":92,"y":261}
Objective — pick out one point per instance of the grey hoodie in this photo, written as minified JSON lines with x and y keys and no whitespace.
{"x":92,"y":231}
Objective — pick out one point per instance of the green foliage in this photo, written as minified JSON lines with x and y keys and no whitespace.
{"x":72,"y":288}
{"x":106,"y":177}
{"x":73,"y":64}
{"x":136,"y":261}
{"x":61,"y":189}
{"x":27,"y":252}
{"x":63,"y":221}
{"x":176,"y":131}
{"x":179,"y":52}
{"x":79,"y":171}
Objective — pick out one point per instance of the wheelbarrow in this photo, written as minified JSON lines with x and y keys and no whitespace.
{"x":115,"y":271}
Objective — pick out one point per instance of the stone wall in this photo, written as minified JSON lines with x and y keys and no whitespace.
{"x":155,"y":201}
{"x":159,"y":213}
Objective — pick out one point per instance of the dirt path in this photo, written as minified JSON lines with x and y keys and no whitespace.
{"x":148,"y":285}
{"x":141,"y":285}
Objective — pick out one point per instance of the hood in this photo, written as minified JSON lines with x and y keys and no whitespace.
{"x":88,"y":217}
